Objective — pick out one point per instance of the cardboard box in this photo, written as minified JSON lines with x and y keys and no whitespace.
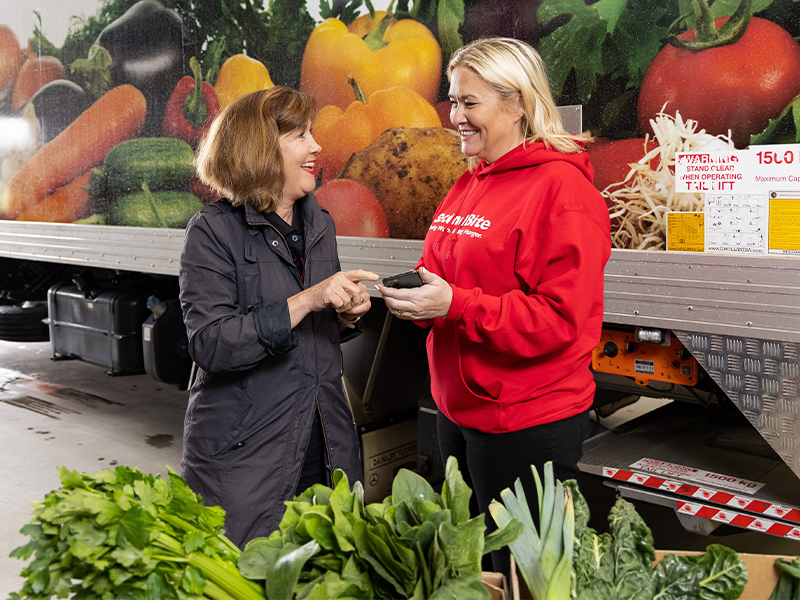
{"x":496,"y":584}
{"x":385,"y":451}
{"x":762,"y":576}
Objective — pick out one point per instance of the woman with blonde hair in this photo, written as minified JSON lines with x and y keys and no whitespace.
{"x":265,"y":306}
{"x":512,"y":267}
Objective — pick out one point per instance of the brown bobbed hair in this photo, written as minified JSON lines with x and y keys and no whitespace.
{"x":240,"y":156}
{"x":517,"y":73}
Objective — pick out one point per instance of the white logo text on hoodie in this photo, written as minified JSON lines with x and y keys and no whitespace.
{"x":461,"y":225}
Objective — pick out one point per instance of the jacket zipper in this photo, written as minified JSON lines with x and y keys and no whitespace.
{"x":308,"y":251}
{"x":325,"y":442}
{"x":305,"y":278}
{"x":321,"y":422}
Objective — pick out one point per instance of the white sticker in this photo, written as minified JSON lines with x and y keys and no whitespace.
{"x":663,"y":468}
{"x":646,"y":367}
{"x":775,"y":166}
{"x":718,"y":480}
{"x":727,"y":482}
{"x":736,"y":223}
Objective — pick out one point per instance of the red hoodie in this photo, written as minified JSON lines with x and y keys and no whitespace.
{"x":523,"y":243}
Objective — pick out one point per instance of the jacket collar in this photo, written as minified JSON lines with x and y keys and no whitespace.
{"x":310,"y":211}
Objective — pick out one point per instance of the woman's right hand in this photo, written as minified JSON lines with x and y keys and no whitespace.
{"x":342,"y":291}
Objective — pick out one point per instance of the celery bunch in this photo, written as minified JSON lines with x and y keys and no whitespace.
{"x":125,"y":534}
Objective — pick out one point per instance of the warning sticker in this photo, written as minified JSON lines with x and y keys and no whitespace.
{"x":685,"y":231}
{"x":784,"y":235}
{"x":664,"y":468}
{"x":646,"y":367}
{"x":703,"y":477}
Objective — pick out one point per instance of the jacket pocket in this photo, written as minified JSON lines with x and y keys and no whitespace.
{"x":221,"y":412}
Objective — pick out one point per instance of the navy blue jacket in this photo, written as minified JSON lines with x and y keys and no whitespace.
{"x":259,"y":381}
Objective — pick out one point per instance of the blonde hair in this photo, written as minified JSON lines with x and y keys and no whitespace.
{"x":240,"y":156}
{"x":514,"y":70}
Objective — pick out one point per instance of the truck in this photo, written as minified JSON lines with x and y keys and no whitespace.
{"x":702,"y":290}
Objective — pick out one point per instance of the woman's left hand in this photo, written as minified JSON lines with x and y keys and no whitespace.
{"x":422,"y":303}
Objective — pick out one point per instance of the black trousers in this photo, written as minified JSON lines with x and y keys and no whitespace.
{"x":491,"y":462}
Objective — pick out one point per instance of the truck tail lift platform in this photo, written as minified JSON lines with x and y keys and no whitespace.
{"x":680,"y":456}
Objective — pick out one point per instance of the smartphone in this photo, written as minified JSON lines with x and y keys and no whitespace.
{"x":409,"y":279}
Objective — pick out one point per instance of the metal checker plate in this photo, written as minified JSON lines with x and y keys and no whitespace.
{"x":762,"y":378}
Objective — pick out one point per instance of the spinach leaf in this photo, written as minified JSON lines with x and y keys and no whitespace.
{"x":500,"y":538}
{"x":455,"y":492}
{"x":725,"y":574}
{"x":675,"y":577}
{"x":409,"y":486}
{"x":411,"y":545}
{"x":466,"y":586}
{"x":463,"y":545}
{"x":715,"y":575}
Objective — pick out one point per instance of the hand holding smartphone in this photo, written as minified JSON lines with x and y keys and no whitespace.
{"x":408,"y":279}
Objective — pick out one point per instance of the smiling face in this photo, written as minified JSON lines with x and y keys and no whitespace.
{"x":488,"y":124}
{"x":299,"y":151}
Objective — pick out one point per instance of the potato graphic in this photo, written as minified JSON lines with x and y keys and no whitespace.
{"x":410,"y":170}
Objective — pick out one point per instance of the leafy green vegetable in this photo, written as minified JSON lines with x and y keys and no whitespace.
{"x":716,"y":574}
{"x":346,"y":11}
{"x":618,"y":564}
{"x":124,"y":534}
{"x":576,"y":44}
{"x":415,"y":544}
{"x":40,"y":44}
{"x":93,"y":73}
{"x":785,"y":129}
{"x":788,"y":586}
{"x":449,"y":18}
{"x":597,"y":53}
{"x":791,"y":567}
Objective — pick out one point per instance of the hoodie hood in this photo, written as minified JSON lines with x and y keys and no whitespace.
{"x":536,"y":153}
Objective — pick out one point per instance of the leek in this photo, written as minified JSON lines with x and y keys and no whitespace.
{"x":544,"y":558}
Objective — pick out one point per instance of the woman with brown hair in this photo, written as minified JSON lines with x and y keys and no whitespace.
{"x":265,"y":306}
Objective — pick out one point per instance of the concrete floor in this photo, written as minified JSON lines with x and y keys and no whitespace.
{"x":71,"y":413}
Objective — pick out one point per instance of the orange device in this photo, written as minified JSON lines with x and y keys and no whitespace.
{"x":620,"y":353}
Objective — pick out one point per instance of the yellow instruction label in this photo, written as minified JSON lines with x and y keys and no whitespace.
{"x":685,"y":231}
{"x":784,"y":225}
